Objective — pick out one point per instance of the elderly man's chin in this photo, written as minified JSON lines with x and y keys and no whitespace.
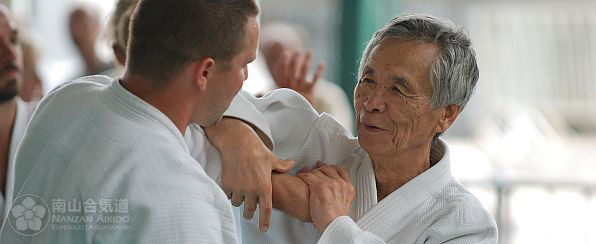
{"x":375,"y":141}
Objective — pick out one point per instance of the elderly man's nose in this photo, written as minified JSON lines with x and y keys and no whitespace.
{"x":375,"y":102}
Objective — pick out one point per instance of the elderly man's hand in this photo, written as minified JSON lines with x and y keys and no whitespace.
{"x":247,"y":164}
{"x":331,"y":193}
{"x":291,"y":72}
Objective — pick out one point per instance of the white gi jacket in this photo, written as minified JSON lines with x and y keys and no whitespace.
{"x":431,"y":208}
{"x":94,"y":146}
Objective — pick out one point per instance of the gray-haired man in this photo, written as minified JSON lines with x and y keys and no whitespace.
{"x":416,"y":75}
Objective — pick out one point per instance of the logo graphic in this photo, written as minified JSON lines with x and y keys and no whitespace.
{"x":28,"y":215}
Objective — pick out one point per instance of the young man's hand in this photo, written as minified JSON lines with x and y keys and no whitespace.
{"x":247,"y":164}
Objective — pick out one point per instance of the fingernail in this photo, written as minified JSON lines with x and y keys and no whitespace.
{"x":264,"y":228}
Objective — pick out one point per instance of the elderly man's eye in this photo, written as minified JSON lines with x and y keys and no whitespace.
{"x":367,"y":81}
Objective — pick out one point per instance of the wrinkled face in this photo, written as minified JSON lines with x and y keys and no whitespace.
{"x":227,"y":81}
{"x":392,"y":98}
{"x":10,"y":57}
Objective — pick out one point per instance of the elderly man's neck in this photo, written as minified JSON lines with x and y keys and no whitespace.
{"x":166,"y":98}
{"x":395,"y":170}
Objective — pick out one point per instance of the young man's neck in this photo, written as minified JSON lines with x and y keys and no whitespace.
{"x":166,"y":99}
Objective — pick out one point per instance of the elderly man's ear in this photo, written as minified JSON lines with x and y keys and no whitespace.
{"x":448,"y":116}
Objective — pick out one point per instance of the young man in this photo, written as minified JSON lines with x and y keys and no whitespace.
{"x":117,"y":146}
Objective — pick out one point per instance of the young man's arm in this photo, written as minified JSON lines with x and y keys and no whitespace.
{"x":297,"y":132}
{"x":247,"y":166}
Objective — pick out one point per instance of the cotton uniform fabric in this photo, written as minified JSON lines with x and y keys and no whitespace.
{"x":93,"y":139}
{"x":431,"y":208}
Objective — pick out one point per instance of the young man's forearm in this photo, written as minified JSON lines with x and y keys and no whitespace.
{"x":290,"y":193}
{"x":229,"y":129}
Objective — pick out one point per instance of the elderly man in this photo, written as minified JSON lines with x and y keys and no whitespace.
{"x":117,"y":146}
{"x":14,"y":112}
{"x":415,"y":77}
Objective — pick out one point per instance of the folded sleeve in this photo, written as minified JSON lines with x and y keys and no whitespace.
{"x":344,"y":230}
{"x":300,"y":133}
{"x":242,"y":107}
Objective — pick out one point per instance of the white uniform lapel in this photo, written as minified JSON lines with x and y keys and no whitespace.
{"x":380,"y":216}
{"x":363,"y":179}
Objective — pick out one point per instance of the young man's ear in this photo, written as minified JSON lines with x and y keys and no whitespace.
{"x":205,"y":68}
{"x":449,"y":114}
{"x":119,"y":53}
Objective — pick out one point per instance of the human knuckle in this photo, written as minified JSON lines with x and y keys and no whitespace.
{"x":250,"y":208}
{"x":338,"y":183}
{"x":266,"y":208}
{"x":248,"y":188}
{"x":347,"y":185}
{"x":351,"y":190}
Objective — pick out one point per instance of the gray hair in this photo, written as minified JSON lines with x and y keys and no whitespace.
{"x":453,"y":75}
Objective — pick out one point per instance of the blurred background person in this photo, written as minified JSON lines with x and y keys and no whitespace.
{"x":32,"y":85}
{"x":118,"y":30}
{"x":14,"y":112}
{"x":84,"y":28}
{"x":283,"y":44}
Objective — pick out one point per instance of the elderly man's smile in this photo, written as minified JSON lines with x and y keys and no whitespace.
{"x":373,"y":129}
{"x":373,"y":126}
